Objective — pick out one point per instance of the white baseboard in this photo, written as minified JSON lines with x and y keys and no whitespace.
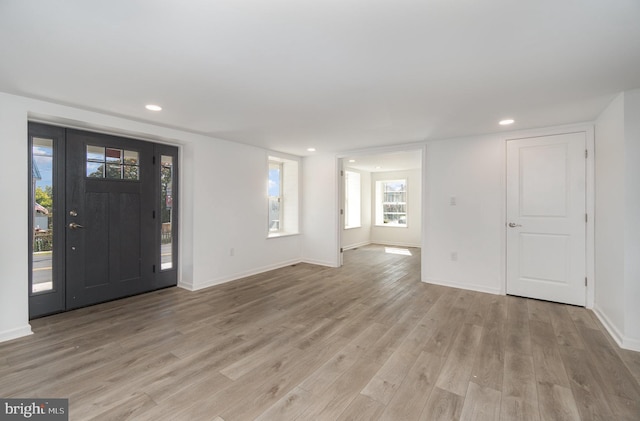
{"x":471,"y":287}
{"x":355,"y":246}
{"x":320,"y":263}
{"x":622,"y":341}
{"x":18,"y":332}
{"x":213,"y":282}
{"x":392,"y":244}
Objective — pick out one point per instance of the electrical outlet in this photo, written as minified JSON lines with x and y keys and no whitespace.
{"x":454,"y":256}
{"x":453,"y":201}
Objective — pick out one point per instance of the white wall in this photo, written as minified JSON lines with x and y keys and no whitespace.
{"x":609,"y":224}
{"x":357,"y":237}
{"x":14,"y":215}
{"x":632,"y":228}
{"x":320,"y":210}
{"x":410,"y":235}
{"x":617,"y":294}
{"x":472,"y":171}
{"x":210,"y":169}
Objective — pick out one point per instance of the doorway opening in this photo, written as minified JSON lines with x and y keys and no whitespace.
{"x":381,"y":200}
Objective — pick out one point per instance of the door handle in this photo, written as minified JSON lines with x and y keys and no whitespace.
{"x":513,"y":225}
{"x":75,"y":226}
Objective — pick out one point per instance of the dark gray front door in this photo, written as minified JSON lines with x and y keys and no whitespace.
{"x":110,"y":226}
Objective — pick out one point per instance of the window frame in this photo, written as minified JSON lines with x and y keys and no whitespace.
{"x":273,"y":164}
{"x":289,"y":199}
{"x":380,"y":203}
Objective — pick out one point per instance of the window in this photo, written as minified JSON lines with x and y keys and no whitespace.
{"x":282,"y":192}
{"x":352,"y":199}
{"x":391,"y":203}
{"x":112,"y":163}
{"x":166,"y":212}
{"x":275,"y":196}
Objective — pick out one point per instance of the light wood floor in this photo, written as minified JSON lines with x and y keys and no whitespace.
{"x":367,"y":341}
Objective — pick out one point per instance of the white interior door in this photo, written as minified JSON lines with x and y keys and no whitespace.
{"x":546,"y":218}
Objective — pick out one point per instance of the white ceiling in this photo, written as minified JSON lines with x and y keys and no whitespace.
{"x":333,"y":74}
{"x":383,"y":162}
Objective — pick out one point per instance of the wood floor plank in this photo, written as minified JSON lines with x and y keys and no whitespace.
{"x":610,"y":370}
{"x":489,"y":363}
{"x":411,"y":397}
{"x":546,"y":354}
{"x":590,"y":399}
{"x":517,"y":327}
{"x":456,"y":372}
{"x":481,"y":403}
{"x":556,"y":403}
{"x":362,"y":408}
{"x":289,"y":407}
{"x":519,"y":393}
{"x":388,"y":379}
{"x":442,"y":405}
{"x":367,"y":340}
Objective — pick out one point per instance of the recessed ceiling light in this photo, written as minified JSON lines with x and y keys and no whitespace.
{"x":506,"y":122}
{"x":378,"y":167}
{"x":352,"y":160}
{"x":153,"y":107}
{"x":311,"y":149}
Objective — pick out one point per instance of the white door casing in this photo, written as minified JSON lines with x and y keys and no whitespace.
{"x":546,"y":218}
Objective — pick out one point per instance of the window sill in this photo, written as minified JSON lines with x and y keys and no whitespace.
{"x":281,"y":234}
{"x":390,"y":226}
{"x":355,"y":226}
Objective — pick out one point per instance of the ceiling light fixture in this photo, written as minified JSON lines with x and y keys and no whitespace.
{"x":352,"y":160}
{"x":153,"y":107}
{"x":506,"y":122}
{"x":311,"y":149}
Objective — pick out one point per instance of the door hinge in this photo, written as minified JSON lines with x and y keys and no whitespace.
{"x":154,"y":268}
{"x":585,"y":281}
{"x":586,"y":153}
{"x":341,"y":173}
{"x":153,"y":214}
{"x":341,"y":211}
{"x":341,"y":250}
{"x":154,"y":160}
{"x":586,"y":218}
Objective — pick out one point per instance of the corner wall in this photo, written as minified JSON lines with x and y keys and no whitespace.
{"x":617,"y":295}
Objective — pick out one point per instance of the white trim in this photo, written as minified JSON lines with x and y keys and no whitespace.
{"x":392,"y":244}
{"x":16,"y":333}
{"x":213,"y":282}
{"x":321,"y":262}
{"x":356,"y":245}
{"x":621,"y":340}
{"x":466,"y":286}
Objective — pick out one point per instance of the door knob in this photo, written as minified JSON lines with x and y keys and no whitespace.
{"x":75,"y":226}
{"x":513,"y":225}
